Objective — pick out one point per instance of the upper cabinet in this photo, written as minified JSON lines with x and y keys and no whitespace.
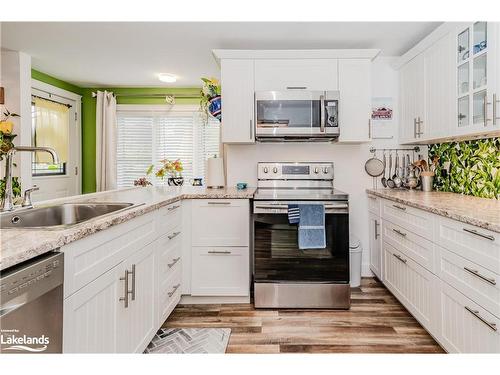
{"x":237,"y":84}
{"x":296,"y":74}
{"x":355,"y":100}
{"x":449,"y":85}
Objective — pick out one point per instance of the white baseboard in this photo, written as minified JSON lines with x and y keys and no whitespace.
{"x":190,"y":300}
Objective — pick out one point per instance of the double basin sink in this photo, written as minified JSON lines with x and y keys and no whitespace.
{"x":60,"y":215}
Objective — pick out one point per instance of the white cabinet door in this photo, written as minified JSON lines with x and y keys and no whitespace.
{"x":93,"y":316}
{"x":296,"y":74}
{"x":375,"y":234}
{"x":220,"y":271}
{"x":141,"y":314}
{"x":440,"y":83}
{"x":411,"y":80}
{"x":355,"y":100}
{"x":465,"y":326}
{"x":237,"y":83}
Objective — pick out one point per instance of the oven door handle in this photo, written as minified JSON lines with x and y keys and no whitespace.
{"x":281,"y":206}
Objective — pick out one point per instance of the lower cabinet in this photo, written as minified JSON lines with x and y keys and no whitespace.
{"x":220,"y":271}
{"x":375,"y":233}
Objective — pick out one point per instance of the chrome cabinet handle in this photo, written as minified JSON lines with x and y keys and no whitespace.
{"x":173,"y":207}
{"x":219,"y":252}
{"x":492,"y":326}
{"x":476,"y":233}
{"x":372,"y":197}
{"x":322,"y":111}
{"x":174,"y":261}
{"x":399,"y":232}
{"x":414,"y":127}
{"x":476,"y":273}
{"x":283,"y":206}
{"x":170,"y":294}
{"x":126,"y":291}
{"x":485,"y":109}
{"x":376,"y":227}
{"x":251,"y":128}
{"x":420,"y":132}
{"x":495,"y":102}
{"x":369,"y":128}
{"x":400,"y":258}
{"x":173,"y":235}
{"x":133,"y":282}
{"x":399,"y":207}
{"x":296,"y":87}
{"x":220,"y":203}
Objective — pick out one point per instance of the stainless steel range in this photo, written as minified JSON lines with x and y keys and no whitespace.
{"x":284,"y":275}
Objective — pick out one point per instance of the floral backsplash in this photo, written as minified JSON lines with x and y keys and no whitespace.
{"x":474,"y":167}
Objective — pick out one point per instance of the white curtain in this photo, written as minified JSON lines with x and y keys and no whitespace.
{"x":106,"y":137}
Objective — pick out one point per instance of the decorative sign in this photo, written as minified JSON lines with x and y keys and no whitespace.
{"x":382,"y":116}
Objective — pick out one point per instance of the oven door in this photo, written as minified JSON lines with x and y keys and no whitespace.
{"x":278,"y":259}
{"x":296,"y":113}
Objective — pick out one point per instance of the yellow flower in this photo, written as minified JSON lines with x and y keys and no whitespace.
{"x":6,"y":127}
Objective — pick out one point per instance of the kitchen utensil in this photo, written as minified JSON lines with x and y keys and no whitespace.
{"x":424,"y":165}
{"x":395,"y":166}
{"x":397,"y":179}
{"x":427,"y":179}
{"x":374,"y":166}
{"x":384,"y":180}
{"x":390,"y":182}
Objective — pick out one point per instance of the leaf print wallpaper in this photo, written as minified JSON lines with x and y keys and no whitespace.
{"x":474,"y":169}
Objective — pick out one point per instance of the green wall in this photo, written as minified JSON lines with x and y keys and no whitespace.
{"x":89,"y":114}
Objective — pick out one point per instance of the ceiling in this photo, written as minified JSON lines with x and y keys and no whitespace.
{"x":93,"y":54}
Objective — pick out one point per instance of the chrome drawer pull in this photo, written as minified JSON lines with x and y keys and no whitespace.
{"x":173,"y":235}
{"x":476,"y":273}
{"x":174,"y":261}
{"x":399,"y":207}
{"x":399,"y":232}
{"x":173,"y":208}
{"x":222,"y":203}
{"x":219,"y":252}
{"x":400,"y":258}
{"x":475,"y":232}
{"x":376,"y":227}
{"x":492,"y":326}
{"x":126,"y":291}
{"x":170,"y":294}
{"x":133,"y":282}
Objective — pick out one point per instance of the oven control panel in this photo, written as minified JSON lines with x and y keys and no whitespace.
{"x":294,"y":171}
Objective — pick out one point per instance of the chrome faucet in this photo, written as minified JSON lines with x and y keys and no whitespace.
{"x":7,"y":201}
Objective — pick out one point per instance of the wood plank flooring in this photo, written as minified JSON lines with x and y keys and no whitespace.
{"x":376,"y":323}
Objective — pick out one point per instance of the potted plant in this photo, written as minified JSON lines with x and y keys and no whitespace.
{"x":172,"y":169}
{"x":210,"y":98}
{"x":6,"y":143}
{"x":6,"y":125}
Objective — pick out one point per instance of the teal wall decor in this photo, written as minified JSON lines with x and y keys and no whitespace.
{"x":474,"y":169}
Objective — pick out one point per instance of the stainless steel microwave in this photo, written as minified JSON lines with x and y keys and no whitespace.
{"x":297,"y":115}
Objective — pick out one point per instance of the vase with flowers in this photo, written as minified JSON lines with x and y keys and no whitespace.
{"x":211,"y":103}
{"x":173,"y":171}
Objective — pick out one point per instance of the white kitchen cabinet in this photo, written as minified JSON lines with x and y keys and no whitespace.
{"x":237,"y":85}
{"x":296,"y":74}
{"x":94,"y":314}
{"x":465,"y":326}
{"x":412,"y":100}
{"x":220,"y":271}
{"x":375,"y":234}
{"x":355,"y":100}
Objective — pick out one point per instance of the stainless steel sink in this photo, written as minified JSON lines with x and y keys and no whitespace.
{"x":62,"y":215}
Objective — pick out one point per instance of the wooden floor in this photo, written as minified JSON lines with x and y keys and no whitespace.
{"x":376,"y":323}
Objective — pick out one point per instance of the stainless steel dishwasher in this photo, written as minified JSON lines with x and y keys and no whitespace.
{"x":31,"y":306}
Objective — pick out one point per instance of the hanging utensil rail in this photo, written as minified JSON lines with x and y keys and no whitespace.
{"x":415,"y":149}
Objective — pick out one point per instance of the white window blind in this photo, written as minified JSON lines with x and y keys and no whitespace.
{"x":146,"y":137}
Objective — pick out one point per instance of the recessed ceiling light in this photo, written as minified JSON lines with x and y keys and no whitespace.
{"x":167,"y":77}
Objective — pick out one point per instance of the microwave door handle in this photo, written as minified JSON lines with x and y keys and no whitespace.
{"x":322,"y":111}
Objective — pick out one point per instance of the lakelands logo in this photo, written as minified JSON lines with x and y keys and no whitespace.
{"x":10,"y":340}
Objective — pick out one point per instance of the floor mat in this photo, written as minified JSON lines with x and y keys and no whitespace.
{"x":189,"y":341}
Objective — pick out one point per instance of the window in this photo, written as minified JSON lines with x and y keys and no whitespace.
{"x":147,"y":136}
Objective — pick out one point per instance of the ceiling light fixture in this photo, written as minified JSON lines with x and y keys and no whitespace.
{"x":167,"y":77}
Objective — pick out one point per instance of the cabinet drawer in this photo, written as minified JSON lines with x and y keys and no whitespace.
{"x":87,"y":259}
{"x":465,"y":326}
{"x":412,"y":219}
{"x":417,"y":248}
{"x":475,"y":244}
{"x":477,"y":283}
{"x":169,"y":217}
{"x":220,"y":271}
{"x":413,"y":285}
{"x":170,"y":294}
{"x":220,"y":222}
{"x":170,"y":253}
{"x":289,"y":74}
{"x":374,"y":204}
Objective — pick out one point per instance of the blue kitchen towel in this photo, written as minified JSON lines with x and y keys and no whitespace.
{"x":312,"y":226}
{"x":293,"y":214}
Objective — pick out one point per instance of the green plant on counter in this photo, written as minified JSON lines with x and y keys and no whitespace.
{"x":16,"y":187}
{"x":474,"y":167}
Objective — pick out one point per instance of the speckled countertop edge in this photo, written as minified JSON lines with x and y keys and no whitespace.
{"x":19,"y":245}
{"x":480,"y":212}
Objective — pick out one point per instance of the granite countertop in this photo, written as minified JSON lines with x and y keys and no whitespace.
{"x":481,"y":212}
{"x":19,"y":245}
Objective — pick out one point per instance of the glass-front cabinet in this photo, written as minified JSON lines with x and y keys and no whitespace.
{"x":477,"y":75}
